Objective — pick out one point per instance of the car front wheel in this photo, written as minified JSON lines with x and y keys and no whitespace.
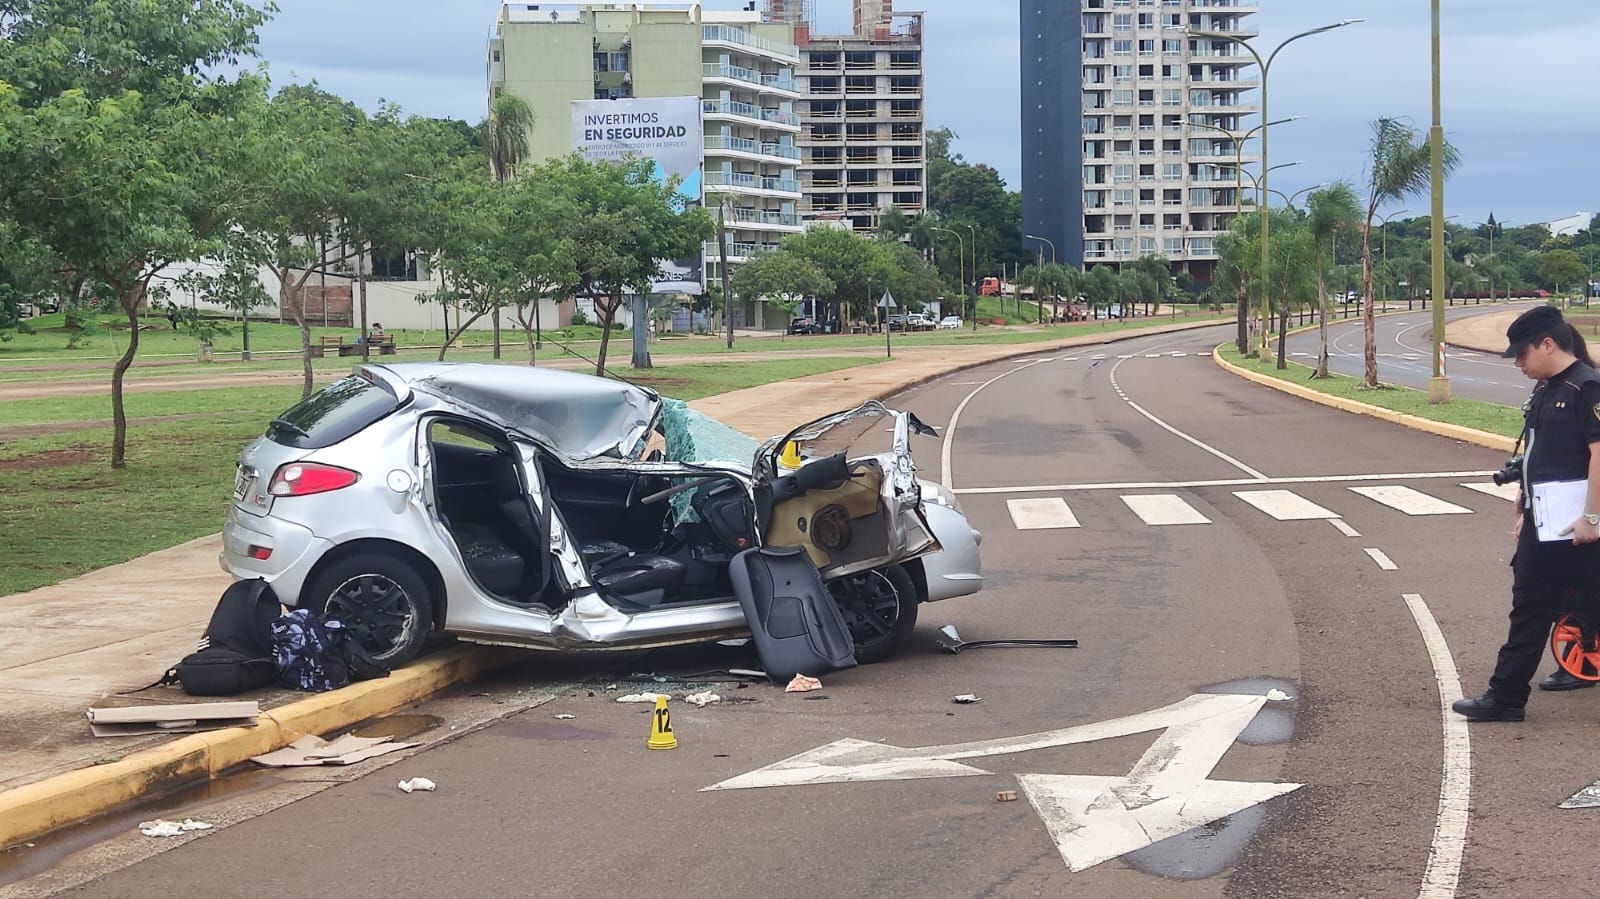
{"x":879,"y":607}
{"x":383,"y":600}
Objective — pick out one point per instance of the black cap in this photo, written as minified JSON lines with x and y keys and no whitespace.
{"x":1530,"y":328}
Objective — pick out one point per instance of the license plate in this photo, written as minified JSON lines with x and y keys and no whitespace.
{"x":241,"y":482}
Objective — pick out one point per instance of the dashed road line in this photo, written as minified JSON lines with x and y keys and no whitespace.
{"x":1343,"y":527}
{"x":1384,"y":562}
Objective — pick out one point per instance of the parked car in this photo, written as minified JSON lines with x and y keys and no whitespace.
{"x":805,"y":325}
{"x":896,"y":322}
{"x":950,"y":323}
{"x":919,"y":321}
{"x":542,"y":508}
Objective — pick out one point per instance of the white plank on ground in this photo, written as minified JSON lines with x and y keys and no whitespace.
{"x":1284,"y":505}
{"x":1041,"y":514}
{"x":1163,"y":509}
{"x":1409,"y":501}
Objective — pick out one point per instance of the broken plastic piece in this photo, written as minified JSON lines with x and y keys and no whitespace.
{"x":1276,"y":695}
{"x":640,"y":697}
{"x":803,"y":684}
{"x":702,"y":699}
{"x":966,"y":699}
{"x":418,"y":783}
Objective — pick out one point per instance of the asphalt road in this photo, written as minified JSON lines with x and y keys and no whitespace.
{"x":1355,"y":784}
{"x":1405,"y":356}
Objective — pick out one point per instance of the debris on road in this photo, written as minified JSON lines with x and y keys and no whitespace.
{"x":702,"y":699}
{"x":803,"y":684}
{"x":1276,"y":695}
{"x":346,"y":750}
{"x":162,"y":828}
{"x":1006,"y":796}
{"x":565,"y":717}
{"x":418,"y":783}
{"x":966,"y":699}
{"x":187,"y":717}
{"x":641,"y":697}
{"x":949,"y":638}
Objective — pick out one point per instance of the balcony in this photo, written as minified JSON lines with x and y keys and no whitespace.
{"x":753,"y":147}
{"x":758,"y":218}
{"x":752,"y":112}
{"x":745,"y":181}
{"x":738,"y":37}
{"x":768,"y":83}
{"x":737,"y":250}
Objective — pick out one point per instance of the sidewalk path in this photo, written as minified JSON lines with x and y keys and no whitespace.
{"x":74,"y":644}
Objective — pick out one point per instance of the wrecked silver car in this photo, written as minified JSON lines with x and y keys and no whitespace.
{"x":547,"y":509}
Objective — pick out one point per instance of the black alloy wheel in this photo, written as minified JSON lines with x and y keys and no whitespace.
{"x":879,"y":608}
{"x":384,"y":602}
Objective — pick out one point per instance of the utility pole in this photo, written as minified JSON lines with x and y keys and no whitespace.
{"x":722,"y":251}
{"x":1439,"y":384}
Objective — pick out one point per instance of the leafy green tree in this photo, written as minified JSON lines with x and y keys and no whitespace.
{"x":858,"y":267}
{"x":1292,"y":255}
{"x":913,"y":281}
{"x":781,"y":278}
{"x":1333,"y":211}
{"x":1158,"y":271}
{"x":618,"y":223}
{"x":104,"y":103}
{"x":1100,"y":286}
{"x":1399,"y":167}
{"x":1562,"y":268}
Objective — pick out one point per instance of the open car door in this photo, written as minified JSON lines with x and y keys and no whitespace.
{"x":849,"y":511}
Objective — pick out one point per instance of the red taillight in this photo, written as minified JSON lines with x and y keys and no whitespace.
{"x":306,"y":478}
{"x":259,"y":553}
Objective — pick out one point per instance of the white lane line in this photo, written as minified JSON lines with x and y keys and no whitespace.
{"x":1071,"y":359}
{"x":1443,"y":873}
{"x":1284,"y":505}
{"x":1409,"y":501}
{"x":1177,"y":433}
{"x":1344,"y":528}
{"x":1180,"y":354}
{"x":955,"y":419}
{"x":1164,"y":508}
{"x":1098,"y":356}
{"x":1225,"y":482}
{"x":1041,"y":514}
{"x":1130,"y":356}
{"x":1152,"y":355}
{"x":1507,"y":492}
{"x":1384,"y":562}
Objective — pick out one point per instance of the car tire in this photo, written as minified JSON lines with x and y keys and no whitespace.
{"x":879,"y":608}
{"x":382,"y":599}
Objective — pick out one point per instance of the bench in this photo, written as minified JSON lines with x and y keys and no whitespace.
{"x":383,"y":346}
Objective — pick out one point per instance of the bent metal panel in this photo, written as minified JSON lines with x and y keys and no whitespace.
{"x":665,"y":130}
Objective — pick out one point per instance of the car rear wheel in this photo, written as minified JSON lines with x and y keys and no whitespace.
{"x":383,"y":600}
{"x":880,"y":608}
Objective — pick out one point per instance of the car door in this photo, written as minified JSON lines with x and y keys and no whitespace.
{"x":850,"y":511}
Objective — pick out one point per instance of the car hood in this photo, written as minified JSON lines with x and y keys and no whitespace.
{"x":576,"y":415}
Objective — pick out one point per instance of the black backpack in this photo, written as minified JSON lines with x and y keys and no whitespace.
{"x":235,"y":652}
{"x":316,"y":655}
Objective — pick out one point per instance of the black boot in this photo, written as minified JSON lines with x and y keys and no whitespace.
{"x":1561,"y":680}
{"x":1486,"y":708}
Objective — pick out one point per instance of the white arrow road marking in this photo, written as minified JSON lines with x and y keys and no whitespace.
{"x":1091,"y":818}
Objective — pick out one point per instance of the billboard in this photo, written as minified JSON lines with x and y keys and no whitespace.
{"x":664,"y":130}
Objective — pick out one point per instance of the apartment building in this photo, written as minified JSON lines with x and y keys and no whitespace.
{"x":862,"y":114}
{"x":742,"y":69}
{"x":1133,"y":148}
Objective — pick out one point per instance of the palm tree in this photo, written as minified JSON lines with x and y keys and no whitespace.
{"x":1332,"y":210}
{"x":506,"y":136}
{"x":1159,"y":271}
{"x":1399,"y":168}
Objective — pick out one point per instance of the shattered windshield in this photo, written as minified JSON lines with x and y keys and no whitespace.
{"x":695,"y":437}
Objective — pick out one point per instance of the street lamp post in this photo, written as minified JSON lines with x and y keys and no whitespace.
{"x":1037,"y":299}
{"x":1384,"y":224}
{"x":972,"y":249}
{"x":1439,"y":384}
{"x":1265,"y":67}
{"x":961,"y":267}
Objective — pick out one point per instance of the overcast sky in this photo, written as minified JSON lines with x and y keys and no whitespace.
{"x":1519,"y":95}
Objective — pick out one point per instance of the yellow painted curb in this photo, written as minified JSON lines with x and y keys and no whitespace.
{"x":34,"y":809}
{"x":1442,"y":429}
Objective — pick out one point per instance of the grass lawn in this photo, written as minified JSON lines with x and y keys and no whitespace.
{"x":1495,"y":419}
{"x":64,"y":511}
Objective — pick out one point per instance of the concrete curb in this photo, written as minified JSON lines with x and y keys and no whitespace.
{"x":35,"y":809}
{"x":1442,"y":429}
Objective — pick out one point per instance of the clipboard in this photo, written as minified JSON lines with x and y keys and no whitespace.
{"x":1556,"y":505}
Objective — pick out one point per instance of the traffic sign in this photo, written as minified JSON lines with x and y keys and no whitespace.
{"x":886,"y":301}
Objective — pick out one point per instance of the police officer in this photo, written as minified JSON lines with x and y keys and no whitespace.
{"x":1562,"y":438}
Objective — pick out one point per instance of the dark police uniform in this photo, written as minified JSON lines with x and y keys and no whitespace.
{"x":1562,"y":418}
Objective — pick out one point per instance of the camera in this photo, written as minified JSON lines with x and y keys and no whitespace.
{"x":1509,"y":473}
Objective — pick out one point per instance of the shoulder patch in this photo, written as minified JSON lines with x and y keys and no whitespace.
{"x":1597,"y":410}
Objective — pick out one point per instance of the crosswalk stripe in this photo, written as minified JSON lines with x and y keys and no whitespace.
{"x":1409,"y":501}
{"x":1041,"y":514}
{"x":1164,"y":508}
{"x":1284,"y":505}
{"x":1507,"y":492}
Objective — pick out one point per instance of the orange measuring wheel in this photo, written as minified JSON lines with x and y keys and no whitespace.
{"x":1576,"y":648}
